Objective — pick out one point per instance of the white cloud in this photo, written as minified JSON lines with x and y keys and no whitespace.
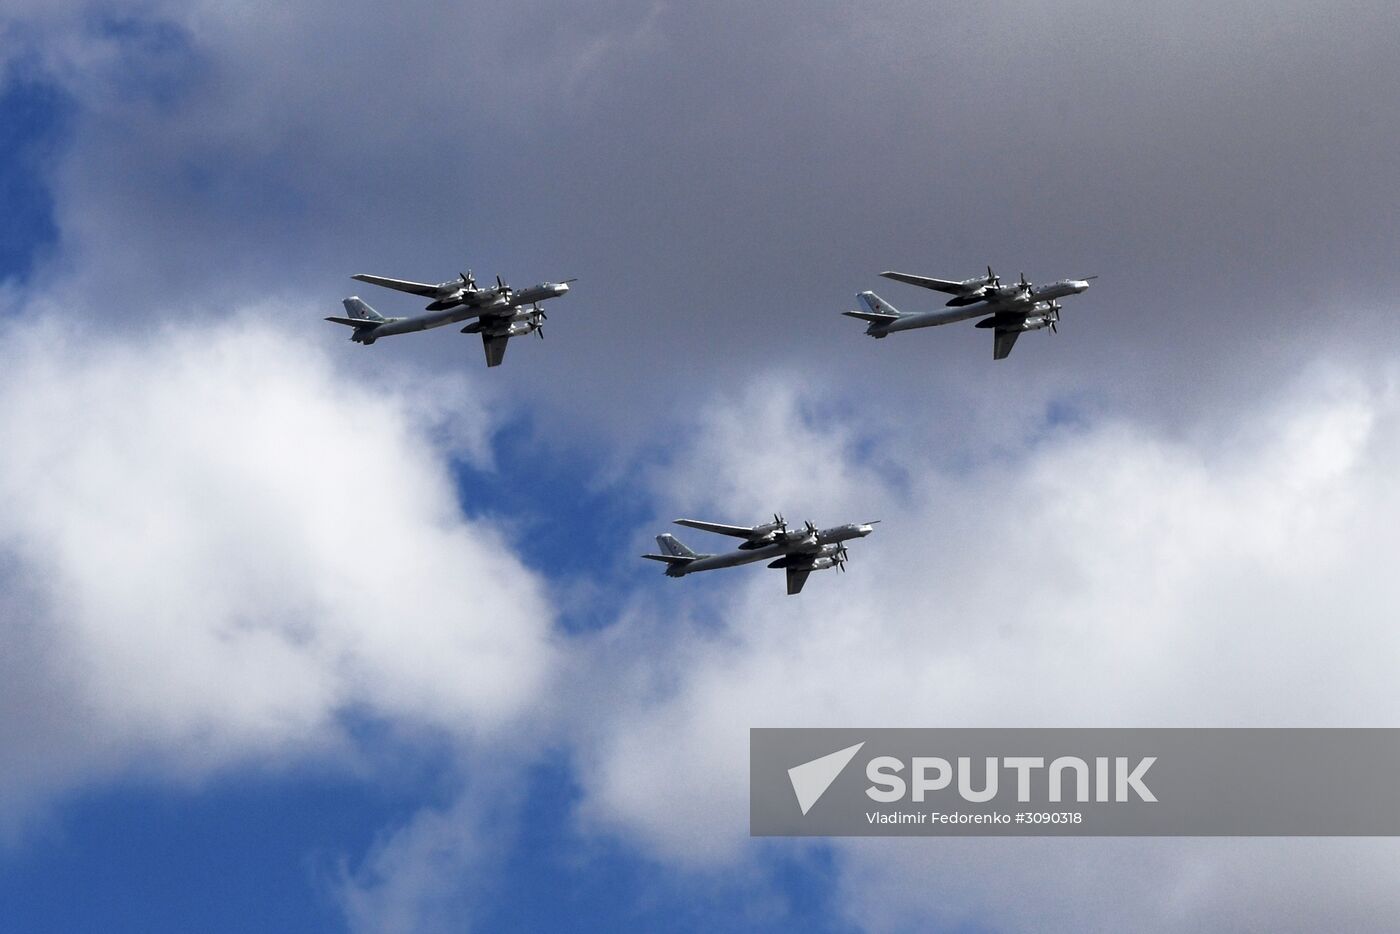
{"x":1101,"y":576}
{"x":421,"y":877}
{"x":1274,"y":884}
{"x":214,"y":547}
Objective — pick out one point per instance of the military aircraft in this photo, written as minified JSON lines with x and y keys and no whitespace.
{"x":501,"y":312}
{"x":1013,"y":309}
{"x":799,"y":551}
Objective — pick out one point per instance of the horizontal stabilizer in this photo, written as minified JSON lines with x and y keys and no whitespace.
{"x":872,"y":317}
{"x":355,"y":322}
{"x":672,"y":559}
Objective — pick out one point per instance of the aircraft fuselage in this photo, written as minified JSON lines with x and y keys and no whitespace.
{"x":806,"y":545}
{"x":1024,"y":301}
{"x":491,"y":304}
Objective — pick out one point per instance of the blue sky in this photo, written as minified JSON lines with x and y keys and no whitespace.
{"x":33,"y":115}
{"x":304,"y":635}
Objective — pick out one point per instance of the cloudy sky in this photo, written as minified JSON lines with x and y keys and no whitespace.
{"x":304,"y":635}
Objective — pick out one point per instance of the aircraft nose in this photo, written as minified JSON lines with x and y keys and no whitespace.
{"x":866,"y":528}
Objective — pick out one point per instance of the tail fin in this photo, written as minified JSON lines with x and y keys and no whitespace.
{"x":359,"y":310}
{"x":877,"y":312}
{"x":674,"y":555}
{"x":672,"y":546}
{"x":875,"y":305}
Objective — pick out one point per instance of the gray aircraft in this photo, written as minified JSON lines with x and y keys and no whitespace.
{"x":799,"y":551}
{"x":500,"y":311}
{"x":1009,"y":309}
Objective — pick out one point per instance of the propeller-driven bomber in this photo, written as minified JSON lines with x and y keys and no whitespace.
{"x":501,"y":311}
{"x":1009,"y":309}
{"x":799,"y":551}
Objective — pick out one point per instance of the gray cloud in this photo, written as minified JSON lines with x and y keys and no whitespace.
{"x":724,"y":178}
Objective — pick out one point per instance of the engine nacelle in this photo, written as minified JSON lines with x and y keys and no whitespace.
{"x":515,"y":329}
{"x":795,"y":536}
{"x":973,"y":297}
{"x":762,"y":536}
{"x":522,"y":327}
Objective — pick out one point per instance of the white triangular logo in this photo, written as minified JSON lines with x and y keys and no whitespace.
{"x":810,"y":780}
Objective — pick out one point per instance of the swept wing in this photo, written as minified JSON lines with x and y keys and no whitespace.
{"x":938,"y":285}
{"x":428,"y":290}
{"x":796,"y":578}
{"x":495,"y":348}
{"x":738,"y":531}
{"x":1005,"y":340}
